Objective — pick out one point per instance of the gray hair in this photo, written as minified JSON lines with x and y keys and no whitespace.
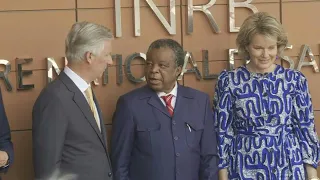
{"x":85,"y":37}
{"x":173,"y":45}
{"x":264,"y":24}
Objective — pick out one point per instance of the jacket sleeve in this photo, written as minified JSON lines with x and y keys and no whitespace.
{"x":223,"y":118}
{"x":209,"y":154}
{"x":122,"y":140}
{"x":5,"y":136}
{"x":304,"y":122}
{"x":49,"y":126}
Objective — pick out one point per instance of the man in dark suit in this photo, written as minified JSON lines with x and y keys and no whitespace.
{"x":69,"y":138}
{"x":164,"y":131}
{"x":6,"y":147}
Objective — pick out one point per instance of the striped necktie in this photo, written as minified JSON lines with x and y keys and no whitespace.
{"x":167,"y":99}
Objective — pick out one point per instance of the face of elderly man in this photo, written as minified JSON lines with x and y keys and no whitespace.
{"x":161,"y":70}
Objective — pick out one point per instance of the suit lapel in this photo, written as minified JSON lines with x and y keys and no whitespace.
{"x":154,"y":100}
{"x":182,"y":94}
{"x":182,"y":101}
{"x":83,"y":105}
{"x":103,"y":130}
{"x":156,"y":103}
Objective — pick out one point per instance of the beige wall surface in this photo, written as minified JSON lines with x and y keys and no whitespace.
{"x":37,"y":29}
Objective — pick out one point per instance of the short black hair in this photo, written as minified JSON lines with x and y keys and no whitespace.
{"x":173,"y":45}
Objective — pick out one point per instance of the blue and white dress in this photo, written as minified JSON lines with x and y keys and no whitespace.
{"x":265,"y":124}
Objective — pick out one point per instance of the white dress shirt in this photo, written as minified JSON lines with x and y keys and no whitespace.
{"x":173,"y":92}
{"x":80,"y":83}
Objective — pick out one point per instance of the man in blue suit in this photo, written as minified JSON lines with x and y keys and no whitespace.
{"x":164,"y":131}
{"x":6,"y":147}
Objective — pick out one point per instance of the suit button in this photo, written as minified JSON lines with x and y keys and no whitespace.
{"x":176,"y":138}
{"x":174,"y":122}
{"x":109,"y":174}
{"x":177,"y":154}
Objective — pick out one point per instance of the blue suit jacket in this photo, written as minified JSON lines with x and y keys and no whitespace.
{"x":5,"y":137}
{"x":147,"y":144}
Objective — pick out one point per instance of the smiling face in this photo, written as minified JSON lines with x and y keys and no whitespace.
{"x":263,"y":52}
{"x":161,"y":71}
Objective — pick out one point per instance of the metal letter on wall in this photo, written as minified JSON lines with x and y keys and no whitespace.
{"x":119,"y":76}
{"x":184,"y":67}
{"x":231,"y":58}
{"x":105,"y":76}
{"x":204,"y":9}
{"x":137,"y":28}
{"x":119,"y":73}
{"x":288,"y":59}
{"x":306,"y":51}
{"x":194,"y":67}
{"x":170,"y":28}
{"x":52,"y":63}
{"x":205,"y":66}
{"x":232,"y":16}
{"x":232,"y":52}
{"x":128,"y":67}
{"x":5,"y":73}
{"x":21,"y":73}
{"x":118,"y":18}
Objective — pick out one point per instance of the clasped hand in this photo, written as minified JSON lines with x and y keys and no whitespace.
{"x":3,"y":158}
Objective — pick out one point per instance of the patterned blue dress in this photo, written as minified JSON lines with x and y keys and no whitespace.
{"x":265,"y":124}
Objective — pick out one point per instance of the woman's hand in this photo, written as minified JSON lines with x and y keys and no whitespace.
{"x":311,"y":172}
{"x":223,"y":174}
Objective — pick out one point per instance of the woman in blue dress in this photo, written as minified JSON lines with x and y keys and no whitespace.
{"x":263,"y":112}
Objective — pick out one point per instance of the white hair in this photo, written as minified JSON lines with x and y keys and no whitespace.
{"x":85,"y":37}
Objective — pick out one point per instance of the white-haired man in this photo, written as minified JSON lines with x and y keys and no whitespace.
{"x":68,"y":130}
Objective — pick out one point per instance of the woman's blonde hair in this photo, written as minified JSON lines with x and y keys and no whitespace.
{"x":264,"y":24}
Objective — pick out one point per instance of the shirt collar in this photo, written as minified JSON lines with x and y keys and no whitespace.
{"x":173,"y":91}
{"x":80,"y":83}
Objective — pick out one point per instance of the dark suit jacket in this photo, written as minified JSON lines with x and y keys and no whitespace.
{"x":66,"y":136}
{"x":147,"y":144}
{"x":5,"y":137}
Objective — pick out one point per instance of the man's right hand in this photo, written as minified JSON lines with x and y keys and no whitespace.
{"x":3,"y":158}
